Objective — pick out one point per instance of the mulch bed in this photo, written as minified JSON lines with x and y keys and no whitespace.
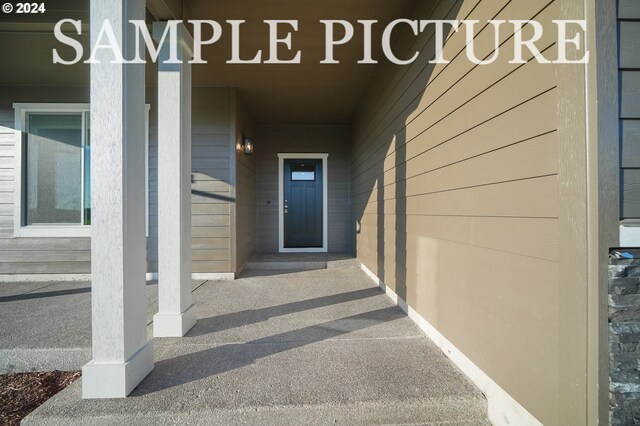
{"x":22,"y":393}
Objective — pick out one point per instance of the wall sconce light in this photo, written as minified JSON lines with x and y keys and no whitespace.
{"x":247,"y":145}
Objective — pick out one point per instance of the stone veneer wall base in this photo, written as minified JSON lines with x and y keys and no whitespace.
{"x":624,"y":339}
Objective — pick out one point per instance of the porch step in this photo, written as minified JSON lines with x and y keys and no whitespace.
{"x":460,"y":412}
{"x":301,"y":262}
{"x":285,"y":265}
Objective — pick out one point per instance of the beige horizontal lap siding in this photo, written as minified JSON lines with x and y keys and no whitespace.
{"x":454,"y":181}
{"x":334,"y":140}
{"x":629,"y":40}
{"x":210,"y":190}
{"x":33,"y":255}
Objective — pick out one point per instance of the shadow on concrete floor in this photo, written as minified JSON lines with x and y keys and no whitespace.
{"x":303,"y":347}
{"x":237,"y":319}
{"x":179,"y":370}
{"x":44,"y":294}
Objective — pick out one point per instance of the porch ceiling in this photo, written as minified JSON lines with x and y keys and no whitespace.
{"x":308,"y":93}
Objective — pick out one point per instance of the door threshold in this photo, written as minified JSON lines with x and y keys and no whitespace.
{"x":304,"y":250}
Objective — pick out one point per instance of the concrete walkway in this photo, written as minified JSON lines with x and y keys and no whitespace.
{"x":47,"y":325}
{"x":278,"y":347}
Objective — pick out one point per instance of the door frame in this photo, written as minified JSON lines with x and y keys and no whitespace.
{"x":325,"y":198}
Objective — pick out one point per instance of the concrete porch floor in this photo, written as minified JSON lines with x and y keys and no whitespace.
{"x":286,"y":347}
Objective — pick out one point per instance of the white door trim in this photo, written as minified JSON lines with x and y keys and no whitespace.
{"x":325,"y":199}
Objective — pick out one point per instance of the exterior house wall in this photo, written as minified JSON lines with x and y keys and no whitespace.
{"x":454,"y":183}
{"x":210,"y":190}
{"x":334,"y":140}
{"x":211,"y":181}
{"x":246,"y":208}
{"x":629,"y":65}
{"x":34,"y":255}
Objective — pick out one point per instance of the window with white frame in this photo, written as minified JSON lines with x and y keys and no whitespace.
{"x":53,"y":170}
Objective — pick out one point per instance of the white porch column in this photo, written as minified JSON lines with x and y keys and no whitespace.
{"x":122,"y":356}
{"x":177,"y":313}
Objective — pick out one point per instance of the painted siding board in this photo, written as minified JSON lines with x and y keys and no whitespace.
{"x":630,"y":154}
{"x":631,"y":193}
{"x":629,"y":44}
{"x":628,"y":9}
{"x":630,"y":104}
{"x":209,"y":243}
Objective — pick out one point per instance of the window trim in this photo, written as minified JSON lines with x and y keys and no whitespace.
{"x":60,"y":231}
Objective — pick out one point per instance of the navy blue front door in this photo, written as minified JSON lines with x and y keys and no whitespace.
{"x":303,"y":203}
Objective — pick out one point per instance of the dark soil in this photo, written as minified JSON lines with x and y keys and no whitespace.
{"x":22,"y":393}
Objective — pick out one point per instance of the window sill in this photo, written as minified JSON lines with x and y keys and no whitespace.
{"x":53,"y":232}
